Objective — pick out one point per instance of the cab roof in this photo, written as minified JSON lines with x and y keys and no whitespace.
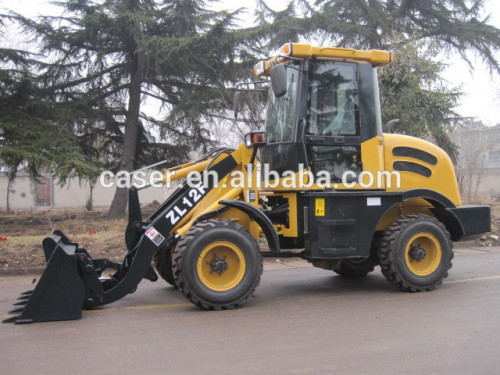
{"x":307,"y":51}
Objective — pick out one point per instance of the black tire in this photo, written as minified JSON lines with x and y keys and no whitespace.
{"x":217,"y":264}
{"x":163,"y":264}
{"x":416,"y":253}
{"x":354,"y":268}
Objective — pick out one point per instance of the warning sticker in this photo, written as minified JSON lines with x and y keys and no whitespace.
{"x":320,"y":207}
{"x":251,"y":196}
{"x":154,"y":236}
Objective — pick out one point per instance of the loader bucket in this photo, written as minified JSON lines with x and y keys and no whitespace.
{"x":60,"y":292}
{"x":73,"y":280}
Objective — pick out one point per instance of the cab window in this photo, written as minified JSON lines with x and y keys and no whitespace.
{"x":333,"y":99}
{"x":281,"y":111}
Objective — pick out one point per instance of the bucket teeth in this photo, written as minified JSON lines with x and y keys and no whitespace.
{"x":22,"y":298}
{"x":17,"y":311}
{"x":22,"y":303}
{"x":27,"y":293}
{"x":10,"y":320}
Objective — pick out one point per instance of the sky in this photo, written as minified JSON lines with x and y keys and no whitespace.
{"x":481,"y":88}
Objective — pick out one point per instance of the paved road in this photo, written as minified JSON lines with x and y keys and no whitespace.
{"x":302,"y":320}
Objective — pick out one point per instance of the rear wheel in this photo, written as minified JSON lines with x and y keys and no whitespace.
{"x":217,"y":265}
{"x":353,"y":268}
{"x":163,"y":264}
{"x":416,"y":253}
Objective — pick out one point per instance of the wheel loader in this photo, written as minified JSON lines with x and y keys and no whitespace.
{"x":311,"y":186}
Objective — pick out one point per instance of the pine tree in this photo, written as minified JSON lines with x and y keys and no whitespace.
{"x":451,"y":25}
{"x":110,"y":57}
{"x":33,"y":133}
{"x":412,"y":91}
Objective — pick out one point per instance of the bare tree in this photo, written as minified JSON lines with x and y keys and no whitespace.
{"x":230,"y":130}
{"x":474,"y":143}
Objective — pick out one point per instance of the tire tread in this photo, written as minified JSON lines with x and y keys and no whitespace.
{"x":180,"y":250}
{"x":386,"y":249}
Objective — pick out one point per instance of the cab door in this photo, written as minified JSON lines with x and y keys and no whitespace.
{"x":343,"y":135}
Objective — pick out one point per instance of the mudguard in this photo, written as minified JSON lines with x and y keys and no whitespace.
{"x":261,"y":219}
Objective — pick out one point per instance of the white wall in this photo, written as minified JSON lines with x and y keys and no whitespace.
{"x":21,"y":193}
{"x":73,"y":194}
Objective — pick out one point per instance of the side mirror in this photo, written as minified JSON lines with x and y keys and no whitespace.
{"x":278,"y":80}
{"x":236,"y":103}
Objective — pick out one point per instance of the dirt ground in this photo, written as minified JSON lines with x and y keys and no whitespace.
{"x":22,"y":232}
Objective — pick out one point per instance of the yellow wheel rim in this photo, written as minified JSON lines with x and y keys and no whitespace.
{"x":221,"y":266}
{"x":423,"y":254}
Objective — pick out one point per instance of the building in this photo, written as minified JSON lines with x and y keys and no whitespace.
{"x":478,"y":167}
{"x":24,"y":193}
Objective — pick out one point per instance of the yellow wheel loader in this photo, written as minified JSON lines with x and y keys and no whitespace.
{"x":322,"y":183}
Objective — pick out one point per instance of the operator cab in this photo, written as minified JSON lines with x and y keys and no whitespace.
{"x":328,"y":106}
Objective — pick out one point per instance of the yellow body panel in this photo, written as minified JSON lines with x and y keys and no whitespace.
{"x":242,"y":219}
{"x":412,"y":206}
{"x":442,"y":180}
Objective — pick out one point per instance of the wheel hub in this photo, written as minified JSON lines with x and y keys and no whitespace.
{"x":218,"y":265}
{"x":417,"y":253}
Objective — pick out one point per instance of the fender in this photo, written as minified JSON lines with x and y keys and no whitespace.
{"x":443,"y":209}
{"x":431,"y":196}
{"x":261,"y":219}
{"x":463,"y":222}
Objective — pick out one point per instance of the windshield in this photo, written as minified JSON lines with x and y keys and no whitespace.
{"x":333,"y":99}
{"x":281,"y":111}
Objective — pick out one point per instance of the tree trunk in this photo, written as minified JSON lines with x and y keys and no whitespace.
{"x":9,"y":184}
{"x":127,"y":163}
{"x":90,"y":203}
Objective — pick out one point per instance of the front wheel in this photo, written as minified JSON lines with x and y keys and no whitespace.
{"x":217,"y":264}
{"x":416,"y":253}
